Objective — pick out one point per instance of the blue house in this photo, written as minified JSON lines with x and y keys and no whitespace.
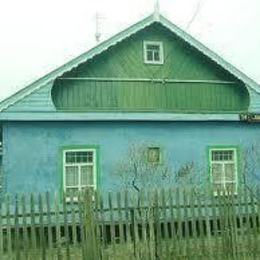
{"x":151,"y":97}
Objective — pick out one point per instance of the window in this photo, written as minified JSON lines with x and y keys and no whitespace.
{"x":223,"y":165}
{"x":153,"y":155}
{"x":79,"y":170}
{"x":153,"y":52}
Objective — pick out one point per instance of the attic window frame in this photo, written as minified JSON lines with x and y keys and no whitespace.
{"x":161,"y":52}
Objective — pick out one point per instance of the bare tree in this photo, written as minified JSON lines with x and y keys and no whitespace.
{"x":137,"y":172}
{"x":251,"y":164}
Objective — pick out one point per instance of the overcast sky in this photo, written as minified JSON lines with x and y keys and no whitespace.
{"x":37,"y":36}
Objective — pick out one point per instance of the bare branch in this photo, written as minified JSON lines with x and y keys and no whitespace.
{"x":195,"y":14}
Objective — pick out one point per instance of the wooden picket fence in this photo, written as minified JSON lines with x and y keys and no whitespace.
{"x":176,"y":223}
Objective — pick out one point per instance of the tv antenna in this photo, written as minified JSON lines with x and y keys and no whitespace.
{"x":98,"y":34}
{"x":157,"y":9}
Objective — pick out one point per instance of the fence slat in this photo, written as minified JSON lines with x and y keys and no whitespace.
{"x":144,"y":220}
{"x":8,"y":227}
{"x":66,"y":237}
{"x":57,"y":225}
{"x":151,"y":225}
{"x":127,"y":216}
{"x":49,"y":223}
{"x":102,"y":224}
{"x":1,"y":230}
{"x":82,"y":224}
{"x":112,"y":223}
{"x":41,"y":227}
{"x":25,"y":235}
{"x":120,"y":218}
{"x":16,"y":230}
{"x":165,"y":222}
{"x":179,"y":240}
{"x":247,"y":217}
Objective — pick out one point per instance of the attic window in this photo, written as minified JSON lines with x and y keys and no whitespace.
{"x":153,"y":52}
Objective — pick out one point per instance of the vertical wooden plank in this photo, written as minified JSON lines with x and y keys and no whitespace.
{"x":94,"y":223}
{"x":216,"y":231}
{"x":127,"y":216}
{"x":111,"y":221}
{"x":82,"y":224}
{"x":258,"y":218}
{"x":134,"y":222}
{"x":248,"y":228}
{"x":8,"y":227}
{"x":66,"y":227}
{"x":151,"y":226}
{"x":120,"y":218}
{"x":16,"y":231}
{"x":90,"y":226}
{"x":41,"y":227}
{"x":187,"y":249}
{"x":103,"y":236}
{"x":241,"y":219}
{"x":253,"y":212}
{"x":25,"y":228}
{"x":97,"y":226}
{"x":33,"y":226}
{"x":144,"y":220}
{"x":1,"y":229}
{"x":193,"y":217}
{"x":173,"y":248}
{"x":165,"y":224}
{"x":49,"y":225}
{"x":158,"y":237}
{"x":73,"y":220}
{"x":233,"y":225}
{"x":208,"y":226}
{"x":179,"y":240}
{"x":222,"y":222}
{"x":57,"y":226}
{"x":201,"y":221}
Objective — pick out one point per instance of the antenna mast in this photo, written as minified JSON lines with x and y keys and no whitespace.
{"x":98,"y":27}
{"x":157,"y":10}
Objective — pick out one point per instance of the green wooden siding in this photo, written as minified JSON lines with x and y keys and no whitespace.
{"x":125,"y":60}
{"x":147,"y":96}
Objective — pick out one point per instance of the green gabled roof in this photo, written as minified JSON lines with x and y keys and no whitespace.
{"x":118,"y":38}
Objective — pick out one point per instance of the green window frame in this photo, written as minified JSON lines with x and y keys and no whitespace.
{"x":154,"y":155}
{"x":79,"y":170}
{"x":223,"y":165}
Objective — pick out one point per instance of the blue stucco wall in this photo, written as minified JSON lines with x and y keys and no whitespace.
{"x":32,"y":149}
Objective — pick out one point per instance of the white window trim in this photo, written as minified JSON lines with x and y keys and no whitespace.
{"x":223,"y":162}
{"x":161,"y":53}
{"x":79,"y":164}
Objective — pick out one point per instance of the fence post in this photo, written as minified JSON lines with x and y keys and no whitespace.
{"x":90,"y":225}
